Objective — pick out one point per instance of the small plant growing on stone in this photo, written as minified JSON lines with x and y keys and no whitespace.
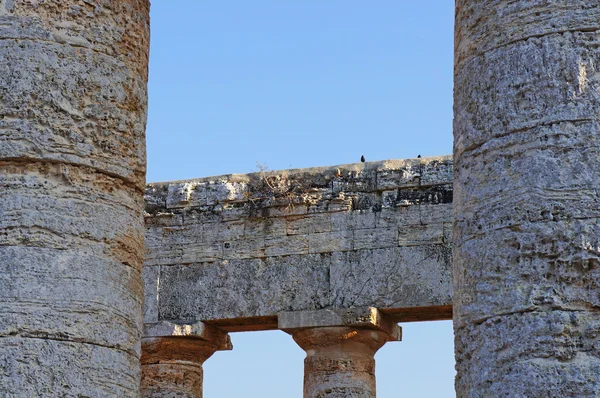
{"x":281,"y":188}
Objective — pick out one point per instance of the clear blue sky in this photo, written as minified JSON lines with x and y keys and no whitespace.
{"x":292,"y":84}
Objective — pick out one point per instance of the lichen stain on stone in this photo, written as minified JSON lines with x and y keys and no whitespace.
{"x":136,"y":31}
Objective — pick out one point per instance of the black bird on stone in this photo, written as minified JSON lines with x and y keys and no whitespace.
{"x":419,"y":157}
{"x":362,"y":158}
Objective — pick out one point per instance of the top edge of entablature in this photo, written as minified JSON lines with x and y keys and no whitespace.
{"x":379,"y":165}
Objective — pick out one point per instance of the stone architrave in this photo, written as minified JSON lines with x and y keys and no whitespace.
{"x":340,"y":347}
{"x":73,"y":103}
{"x":526,"y":259}
{"x":172,"y":358}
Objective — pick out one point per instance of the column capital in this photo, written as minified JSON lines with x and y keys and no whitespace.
{"x":355,"y":318}
{"x":195,"y":342}
{"x":340,"y":345}
{"x":173,"y":354}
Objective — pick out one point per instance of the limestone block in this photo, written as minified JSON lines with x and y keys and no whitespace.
{"x":396,"y":277}
{"x":406,"y":215}
{"x":244,"y":249}
{"x":63,"y":304}
{"x":426,"y":234}
{"x":197,"y":330}
{"x":198,"y":194}
{"x":179,"y":195}
{"x":244,"y":288}
{"x":308,"y":224}
{"x":155,"y":197}
{"x":262,"y":226}
{"x":536,"y":19}
{"x":329,"y":242}
{"x":353,"y":220}
{"x":173,"y":380}
{"x":376,"y":238}
{"x":361,"y":317}
{"x":397,"y":174}
{"x":541,"y":277}
{"x":436,"y":171}
{"x":225,"y":191}
{"x":433,"y":213}
{"x":286,"y":245}
{"x":361,"y":180}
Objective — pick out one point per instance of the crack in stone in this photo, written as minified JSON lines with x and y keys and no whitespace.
{"x":130,"y":183}
{"x":33,"y":336}
{"x":471,"y":58}
{"x":478,"y":145}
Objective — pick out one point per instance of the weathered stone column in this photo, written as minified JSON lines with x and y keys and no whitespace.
{"x":526,"y":198}
{"x":72,"y":168}
{"x":340,"y":346}
{"x":172,"y":358}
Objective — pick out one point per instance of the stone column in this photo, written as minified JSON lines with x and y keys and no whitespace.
{"x":172,"y":358}
{"x":340,"y":346}
{"x":72,"y":167}
{"x":526,"y":198}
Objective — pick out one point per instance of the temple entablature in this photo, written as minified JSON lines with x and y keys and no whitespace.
{"x":334,"y":256}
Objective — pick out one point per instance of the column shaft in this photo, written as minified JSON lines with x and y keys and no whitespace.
{"x":172,"y":366}
{"x":178,"y":379}
{"x":526,"y":200}
{"x":72,"y":167}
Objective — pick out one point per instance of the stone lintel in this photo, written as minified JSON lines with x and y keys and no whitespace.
{"x":419,"y":314}
{"x":362,"y":317}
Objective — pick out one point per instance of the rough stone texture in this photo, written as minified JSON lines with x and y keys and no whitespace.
{"x":236,"y":250}
{"x":526,"y":237}
{"x":72,"y":166}
{"x":339,"y":361}
{"x":177,"y":379}
{"x":172,"y":358}
{"x":340,"y":345}
{"x":364,"y":317}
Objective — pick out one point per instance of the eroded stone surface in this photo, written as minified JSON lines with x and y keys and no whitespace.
{"x":74,"y":87}
{"x":172,"y":358}
{"x":65,"y":368}
{"x":72,"y":165}
{"x":176,"y":379}
{"x":243,"y":288}
{"x":339,"y":361}
{"x":526,"y":237}
{"x":251,"y":246}
{"x":360,"y":317}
